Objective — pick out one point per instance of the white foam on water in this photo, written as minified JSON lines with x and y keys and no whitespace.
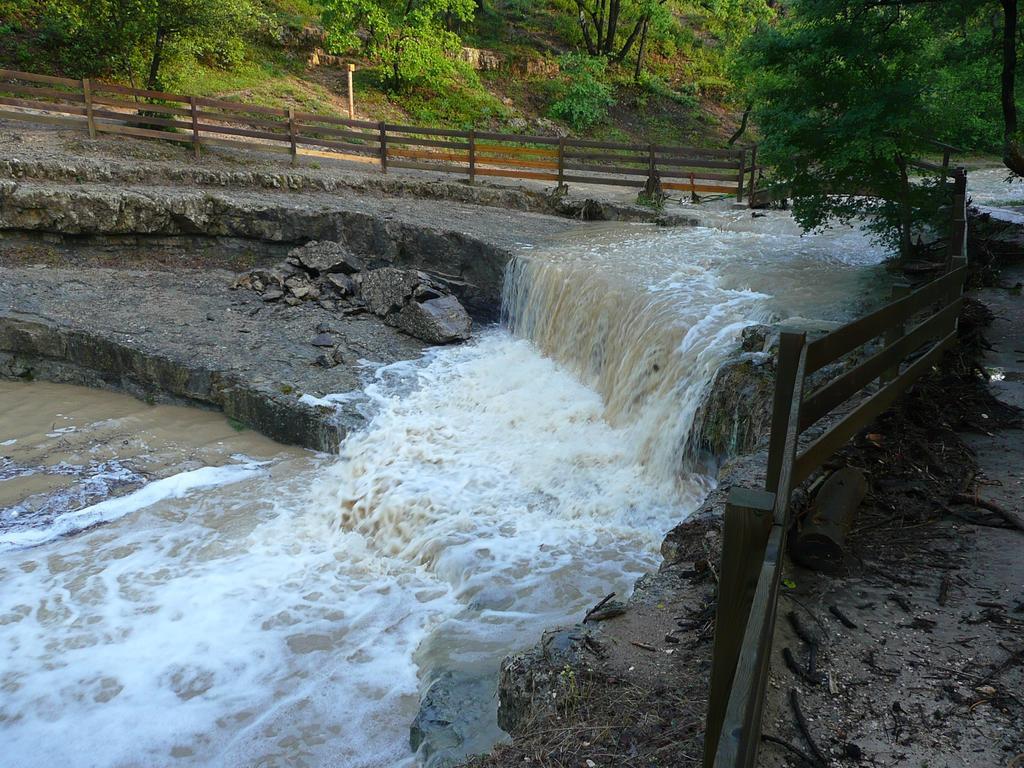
{"x":994,"y":187}
{"x":289,"y":618}
{"x":173,"y":487}
{"x":275,"y":621}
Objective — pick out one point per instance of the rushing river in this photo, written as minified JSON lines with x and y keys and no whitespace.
{"x":265,"y":606}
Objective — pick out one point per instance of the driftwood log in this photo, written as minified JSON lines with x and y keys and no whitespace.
{"x":821,"y":536}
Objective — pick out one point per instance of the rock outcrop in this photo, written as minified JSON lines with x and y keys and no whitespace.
{"x":326,"y":272}
{"x":410,"y":301}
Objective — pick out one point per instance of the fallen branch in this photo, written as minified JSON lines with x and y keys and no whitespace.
{"x":807,"y":759}
{"x":598,"y":607}
{"x":1014,"y":518}
{"x":805,"y":730}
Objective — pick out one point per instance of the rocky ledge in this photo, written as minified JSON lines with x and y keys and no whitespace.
{"x":467,"y":245}
{"x":185,"y":336}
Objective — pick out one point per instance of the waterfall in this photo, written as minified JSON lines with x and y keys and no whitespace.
{"x":648,"y":343}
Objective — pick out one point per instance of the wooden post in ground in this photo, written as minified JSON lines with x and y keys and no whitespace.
{"x":382,"y":129}
{"x":561,"y":163}
{"x":195,"y":125}
{"x":958,"y":224}
{"x":291,"y":135}
{"x":895,"y":333}
{"x":653,"y":187}
{"x":791,"y":343}
{"x":742,"y":175}
{"x":351,"y":97}
{"x":753,"y":174}
{"x":472,"y":156}
{"x":747,"y":523}
{"x":87,"y":94}
{"x":958,"y":290}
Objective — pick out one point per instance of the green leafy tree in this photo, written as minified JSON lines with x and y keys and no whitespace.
{"x":845,"y":92}
{"x":410,"y":39}
{"x":582,"y":97}
{"x":136,"y":38}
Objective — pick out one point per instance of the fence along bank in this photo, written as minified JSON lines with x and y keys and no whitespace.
{"x":101,"y":107}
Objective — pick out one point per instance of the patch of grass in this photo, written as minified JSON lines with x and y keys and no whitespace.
{"x":236,"y":425}
{"x":460,"y":106}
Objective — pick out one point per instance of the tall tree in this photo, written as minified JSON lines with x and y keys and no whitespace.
{"x":410,"y":39}
{"x":600,"y":22}
{"x":137,"y":37}
{"x":845,"y":92}
{"x":840,"y":99}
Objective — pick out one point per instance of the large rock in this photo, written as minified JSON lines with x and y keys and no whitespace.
{"x":452,"y":709}
{"x":415,"y":304}
{"x":324,"y":257}
{"x":439,"y":321}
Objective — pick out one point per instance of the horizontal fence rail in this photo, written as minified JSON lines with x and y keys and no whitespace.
{"x":898,"y":344}
{"x":201,"y":122}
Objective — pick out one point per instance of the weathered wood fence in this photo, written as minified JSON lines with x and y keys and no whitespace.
{"x":915,"y":329}
{"x":107,"y":108}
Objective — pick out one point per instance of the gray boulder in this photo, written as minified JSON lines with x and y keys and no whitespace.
{"x":342,"y":283}
{"x":388,"y":289}
{"x":325,"y":257}
{"x":451,"y":710}
{"x":438,"y":321}
{"x":415,"y":304}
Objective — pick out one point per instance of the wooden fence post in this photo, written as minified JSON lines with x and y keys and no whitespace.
{"x":653,"y":188}
{"x":195,"y":125}
{"x":383,"y":147}
{"x":747,"y":522}
{"x":957,"y":290}
{"x":742,"y":175}
{"x":958,"y":219}
{"x":791,"y":343}
{"x":561,"y":162}
{"x":87,"y":94}
{"x":291,"y":135}
{"x":351,"y":97}
{"x":895,"y":333}
{"x":472,"y":156}
{"x":753,"y":174}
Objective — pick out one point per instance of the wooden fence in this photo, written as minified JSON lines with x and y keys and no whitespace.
{"x":107,"y":108}
{"x":757,"y":522}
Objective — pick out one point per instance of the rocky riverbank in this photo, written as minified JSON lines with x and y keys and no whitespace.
{"x":627,"y":685}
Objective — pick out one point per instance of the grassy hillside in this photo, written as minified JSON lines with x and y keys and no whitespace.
{"x":681,"y":97}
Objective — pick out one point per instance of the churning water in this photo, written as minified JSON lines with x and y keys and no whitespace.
{"x":287,"y":609}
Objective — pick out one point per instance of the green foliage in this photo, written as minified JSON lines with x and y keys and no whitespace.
{"x":843,"y":94}
{"x":134,"y":39}
{"x":410,"y":39}
{"x":657,"y":86}
{"x":582,"y":97}
{"x":463,"y":102}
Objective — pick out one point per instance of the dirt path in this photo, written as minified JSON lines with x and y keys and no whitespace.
{"x":920,"y":657}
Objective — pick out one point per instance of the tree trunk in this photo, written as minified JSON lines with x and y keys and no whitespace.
{"x":640,"y":53}
{"x":1013,"y":154}
{"x":743,"y":125}
{"x":613,"y":24}
{"x":628,"y":45}
{"x":585,"y":27}
{"x":153,"y":82}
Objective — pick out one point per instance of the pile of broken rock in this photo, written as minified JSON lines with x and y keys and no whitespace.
{"x":329,"y":274}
